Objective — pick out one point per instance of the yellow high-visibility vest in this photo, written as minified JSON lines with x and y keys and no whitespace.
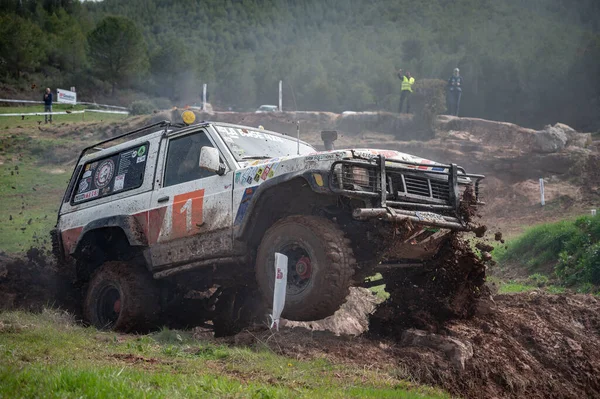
{"x":407,"y":83}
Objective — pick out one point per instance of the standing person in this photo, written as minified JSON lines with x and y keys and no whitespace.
{"x":454,"y":92}
{"x":48,"y":104}
{"x":407,"y":82}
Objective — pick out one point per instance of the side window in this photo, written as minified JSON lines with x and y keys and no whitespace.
{"x":113,"y":174}
{"x":183,"y":157}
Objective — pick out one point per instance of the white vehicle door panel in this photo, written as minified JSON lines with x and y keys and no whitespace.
{"x":189,"y":220}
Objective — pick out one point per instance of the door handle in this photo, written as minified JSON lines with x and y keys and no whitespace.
{"x":163,"y":199}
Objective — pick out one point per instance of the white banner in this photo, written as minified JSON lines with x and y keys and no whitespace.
{"x":281,"y":266}
{"x":66,"y":96}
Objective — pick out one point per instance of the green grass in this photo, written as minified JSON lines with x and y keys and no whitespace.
{"x":47,"y":355}
{"x":26,"y":214}
{"x":568,"y":251}
{"x":35,"y":165}
{"x":8,"y":122}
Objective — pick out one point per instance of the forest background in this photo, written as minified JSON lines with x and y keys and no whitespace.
{"x":530,"y":62}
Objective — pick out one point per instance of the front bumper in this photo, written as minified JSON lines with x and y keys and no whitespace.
{"x":436,"y":195}
{"x":420,"y":217}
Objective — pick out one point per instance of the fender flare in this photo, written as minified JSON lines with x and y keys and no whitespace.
{"x":317,"y":179}
{"x":130,"y":226}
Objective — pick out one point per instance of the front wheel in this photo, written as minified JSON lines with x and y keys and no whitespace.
{"x":121,"y":297}
{"x":320,"y":266}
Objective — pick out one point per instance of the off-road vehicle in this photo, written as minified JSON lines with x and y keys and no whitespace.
{"x":167,"y":214}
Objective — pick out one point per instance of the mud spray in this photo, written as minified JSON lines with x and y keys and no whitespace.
{"x":450,"y":286}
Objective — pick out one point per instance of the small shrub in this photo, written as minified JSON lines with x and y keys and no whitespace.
{"x":571,"y":247}
{"x":141,"y":107}
{"x":538,"y":280}
{"x":163,"y":103}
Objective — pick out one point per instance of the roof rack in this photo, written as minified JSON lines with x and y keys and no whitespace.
{"x":96,"y":146}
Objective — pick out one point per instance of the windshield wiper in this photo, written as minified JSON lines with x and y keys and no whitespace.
{"x":257,"y":157}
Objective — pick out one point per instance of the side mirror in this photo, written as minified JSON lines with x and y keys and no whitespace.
{"x":209,"y":160}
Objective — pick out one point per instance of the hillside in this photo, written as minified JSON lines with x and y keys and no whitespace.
{"x":530,"y":63}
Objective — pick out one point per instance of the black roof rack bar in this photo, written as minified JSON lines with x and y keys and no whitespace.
{"x":161,"y":123}
{"x":91,"y":147}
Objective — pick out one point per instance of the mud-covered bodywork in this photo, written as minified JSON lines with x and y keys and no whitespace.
{"x":394,"y":205}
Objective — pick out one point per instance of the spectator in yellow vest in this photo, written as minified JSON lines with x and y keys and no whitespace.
{"x":407,"y":82}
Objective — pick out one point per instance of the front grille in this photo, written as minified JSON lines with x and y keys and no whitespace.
{"x":405,"y":186}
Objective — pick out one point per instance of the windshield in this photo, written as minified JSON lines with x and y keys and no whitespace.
{"x":257,"y":144}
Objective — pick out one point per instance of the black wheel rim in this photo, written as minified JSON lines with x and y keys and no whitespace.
{"x":108,"y":306}
{"x":300,"y":268}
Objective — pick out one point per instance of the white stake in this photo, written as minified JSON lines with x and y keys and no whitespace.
{"x":204,"y":97}
{"x":279,"y":288}
{"x":280,"y":95}
{"x":542,"y":199}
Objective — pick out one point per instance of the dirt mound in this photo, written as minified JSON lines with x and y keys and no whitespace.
{"x":447,"y":287}
{"x":34,"y":282}
{"x":531,"y":346}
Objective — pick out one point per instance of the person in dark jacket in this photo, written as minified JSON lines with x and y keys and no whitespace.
{"x":48,"y":104}
{"x":454,"y":92}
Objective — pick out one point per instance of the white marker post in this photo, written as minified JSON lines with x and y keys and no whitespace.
{"x":203,"y":96}
{"x":281,"y":266}
{"x":280,"y":95}
{"x":542,"y":199}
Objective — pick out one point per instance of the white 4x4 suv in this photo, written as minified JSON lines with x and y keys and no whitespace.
{"x":202,"y":209}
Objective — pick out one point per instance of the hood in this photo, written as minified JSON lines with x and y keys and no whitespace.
{"x":357,"y":153}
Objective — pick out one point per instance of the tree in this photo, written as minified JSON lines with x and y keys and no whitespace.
{"x":117,"y":50}
{"x":21,"y":45}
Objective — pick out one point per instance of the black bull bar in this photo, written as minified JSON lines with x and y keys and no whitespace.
{"x":406,"y":191}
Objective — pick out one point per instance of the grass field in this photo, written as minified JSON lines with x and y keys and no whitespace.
{"x":567,"y":252}
{"x":36,"y":161}
{"x":47,"y":355}
{"x":7,"y":122}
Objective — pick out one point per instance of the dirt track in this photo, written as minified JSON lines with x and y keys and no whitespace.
{"x":527,"y":345}
{"x":532,"y":346}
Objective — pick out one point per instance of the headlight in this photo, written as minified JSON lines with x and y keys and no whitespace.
{"x":360,"y":177}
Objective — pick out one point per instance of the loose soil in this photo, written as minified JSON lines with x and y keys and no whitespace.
{"x":525,"y":345}
{"x":530,"y":345}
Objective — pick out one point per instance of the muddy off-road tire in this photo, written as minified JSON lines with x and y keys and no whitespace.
{"x":320,"y":266}
{"x":121,"y":297}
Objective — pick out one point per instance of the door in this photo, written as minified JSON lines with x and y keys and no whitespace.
{"x":191,"y":216}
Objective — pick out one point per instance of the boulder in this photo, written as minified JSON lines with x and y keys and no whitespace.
{"x":352,"y":318}
{"x":551,"y":139}
{"x":458,"y":352}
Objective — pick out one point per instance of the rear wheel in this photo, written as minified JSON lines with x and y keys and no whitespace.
{"x":121,"y":297}
{"x":320,"y":266}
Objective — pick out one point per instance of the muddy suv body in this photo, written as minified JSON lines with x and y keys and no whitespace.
{"x":151,"y":219}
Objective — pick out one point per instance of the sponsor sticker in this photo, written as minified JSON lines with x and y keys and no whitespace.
{"x":265,"y":174}
{"x":258,"y":174}
{"x":84,"y":184}
{"x":141,"y":159}
{"x":88,"y":195}
{"x":119,"y":182}
{"x":87,"y":173}
{"x":104,"y":173}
